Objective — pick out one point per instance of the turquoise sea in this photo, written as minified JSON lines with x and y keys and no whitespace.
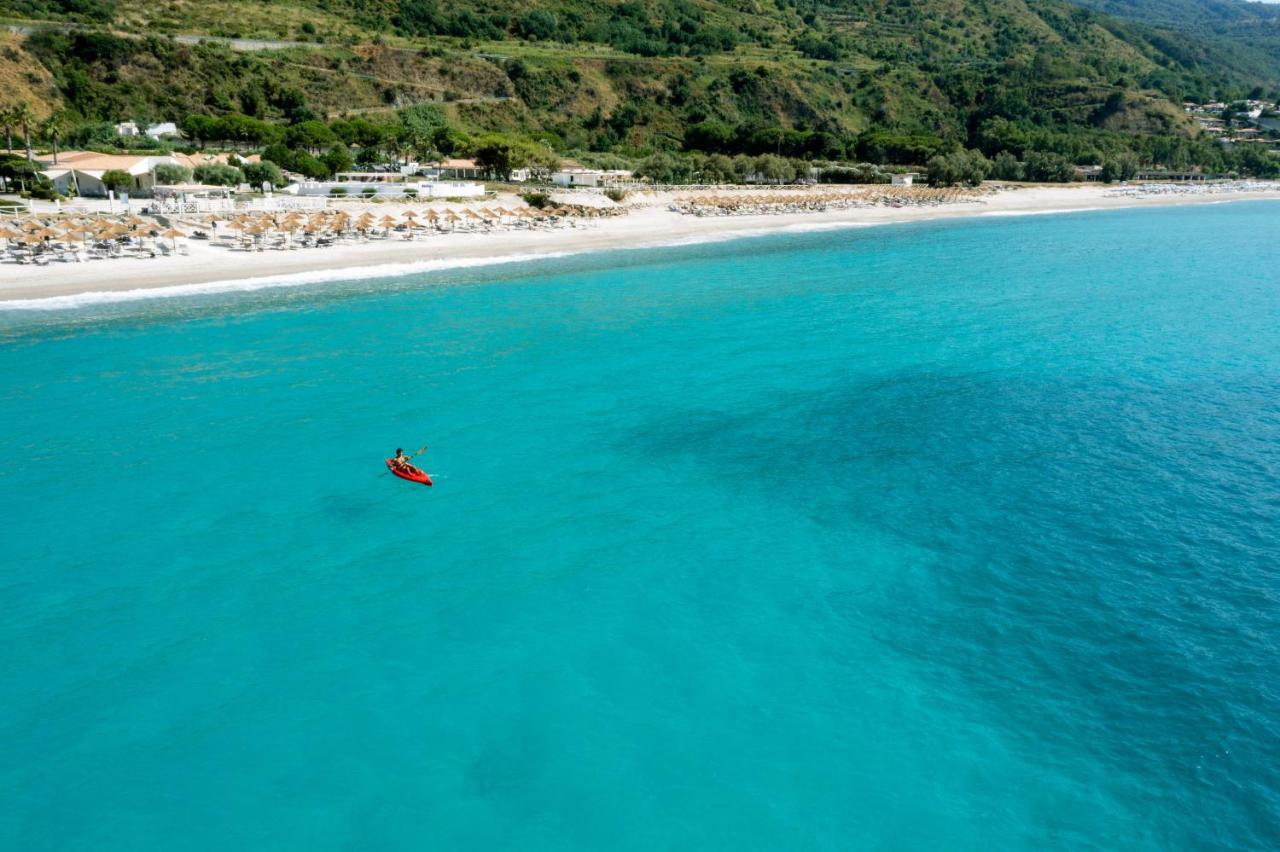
{"x":956,"y":536}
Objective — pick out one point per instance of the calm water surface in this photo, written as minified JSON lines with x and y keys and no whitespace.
{"x":926,"y":537}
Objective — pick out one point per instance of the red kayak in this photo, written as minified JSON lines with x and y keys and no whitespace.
{"x":412,"y":474}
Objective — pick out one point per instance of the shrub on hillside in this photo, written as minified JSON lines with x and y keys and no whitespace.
{"x":861,"y":173}
{"x":116,"y":179}
{"x":1005,"y":166}
{"x":962,"y":167}
{"x":216,"y":174}
{"x":1122,"y":167}
{"x":774,"y":169}
{"x":15,"y":169}
{"x":255,"y":174}
{"x":1048,"y":168}
{"x":44,"y":190}
{"x":168,"y":174}
{"x":666,"y":168}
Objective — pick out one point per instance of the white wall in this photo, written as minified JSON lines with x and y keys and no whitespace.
{"x":576,"y":178}
{"x":450,"y":189}
{"x":426,"y":189}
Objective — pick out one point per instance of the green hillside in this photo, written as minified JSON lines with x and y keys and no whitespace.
{"x":887,"y":80}
{"x":1240,"y":37}
{"x":1220,"y":16}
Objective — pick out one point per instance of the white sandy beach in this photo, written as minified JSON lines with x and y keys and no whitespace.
{"x":648,"y":224}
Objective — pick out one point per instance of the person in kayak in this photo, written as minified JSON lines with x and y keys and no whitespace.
{"x":401,"y":462}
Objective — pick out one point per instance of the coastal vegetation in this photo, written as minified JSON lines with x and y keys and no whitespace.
{"x":538,"y":200}
{"x":961,"y":167}
{"x":678,"y":91}
{"x":169,"y":174}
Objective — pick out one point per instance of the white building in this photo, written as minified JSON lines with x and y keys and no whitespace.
{"x":904,"y":179}
{"x":80,"y":172}
{"x":457,"y":169}
{"x":574,"y":175}
{"x":465,"y":170}
{"x":155,"y":131}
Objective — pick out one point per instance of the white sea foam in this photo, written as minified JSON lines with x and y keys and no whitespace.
{"x":1052,"y":212}
{"x":244,"y":285}
{"x":388,"y":270}
{"x":747,"y":233}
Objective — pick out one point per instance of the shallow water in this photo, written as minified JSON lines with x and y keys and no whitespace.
{"x":951,"y":536}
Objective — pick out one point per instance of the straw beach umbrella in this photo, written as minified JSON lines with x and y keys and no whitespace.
{"x":79,"y":235}
{"x":173,"y":234}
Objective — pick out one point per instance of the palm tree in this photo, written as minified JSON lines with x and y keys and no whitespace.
{"x":391,"y":147}
{"x":6,"y":118}
{"x":23,"y":116}
{"x":53,"y":130}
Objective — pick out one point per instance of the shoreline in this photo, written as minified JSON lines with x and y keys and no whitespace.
{"x":210,"y":269}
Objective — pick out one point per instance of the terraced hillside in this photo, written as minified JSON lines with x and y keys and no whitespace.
{"x":897,"y":79}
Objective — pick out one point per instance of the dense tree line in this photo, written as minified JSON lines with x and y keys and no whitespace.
{"x":317,"y":149}
{"x":959,"y":167}
{"x":1033,"y":109}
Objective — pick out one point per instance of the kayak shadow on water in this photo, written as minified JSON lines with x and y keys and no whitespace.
{"x":349,"y":507}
